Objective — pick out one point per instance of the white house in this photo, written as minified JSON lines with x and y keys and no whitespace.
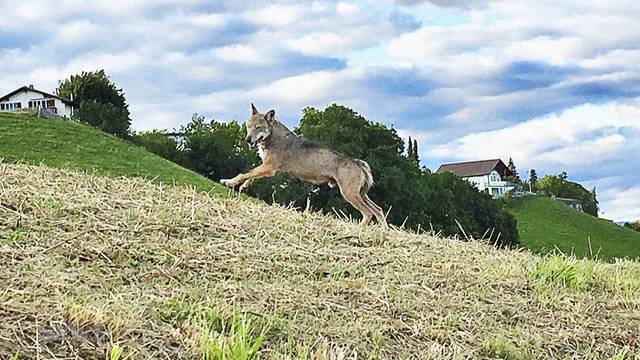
{"x":486,"y":175}
{"x":27,"y":97}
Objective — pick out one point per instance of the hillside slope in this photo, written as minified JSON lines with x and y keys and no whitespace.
{"x":71,"y":145}
{"x":92,"y":265}
{"x":545,"y":224}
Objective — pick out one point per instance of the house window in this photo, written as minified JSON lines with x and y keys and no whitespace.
{"x":494,"y":191}
{"x":11,"y":106}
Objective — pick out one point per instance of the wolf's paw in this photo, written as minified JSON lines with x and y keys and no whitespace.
{"x":244,"y":187}
{"x":227,"y":183}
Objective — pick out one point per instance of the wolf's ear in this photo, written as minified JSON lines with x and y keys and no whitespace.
{"x":270,"y":116}
{"x":253,"y":109}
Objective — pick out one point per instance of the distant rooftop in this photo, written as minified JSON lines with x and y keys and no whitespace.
{"x":477,"y":168}
{"x":30,"y":88}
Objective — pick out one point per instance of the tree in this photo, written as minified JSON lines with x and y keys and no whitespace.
{"x":511,"y":166}
{"x":559,"y":186}
{"x":216,"y":149}
{"x":515,"y":178}
{"x":412,"y":151}
{"x":593,"y":202}
{"x":161,"y":144}
{"x":633,"y":225}
{"x":106,"y":117}
{"x":533,"y":179}
{"x":99,"y":102}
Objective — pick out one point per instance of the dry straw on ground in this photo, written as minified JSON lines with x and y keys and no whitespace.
{"x":89,"y":266}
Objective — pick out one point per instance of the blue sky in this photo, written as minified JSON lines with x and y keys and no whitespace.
{"x":554,"y":85}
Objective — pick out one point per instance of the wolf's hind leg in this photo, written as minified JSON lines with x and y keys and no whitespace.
{"x":353,"y":197}
{"x":376,"y":210}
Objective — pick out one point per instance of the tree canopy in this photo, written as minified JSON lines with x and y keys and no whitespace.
{"x":161,"y":144}
{"x":99,"y":102}
{"x":216,"y":149}
{"x":633,"y":225}
{"x":559,"y":186}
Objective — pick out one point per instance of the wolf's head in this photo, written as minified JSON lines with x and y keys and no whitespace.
{"x":259,"y":126}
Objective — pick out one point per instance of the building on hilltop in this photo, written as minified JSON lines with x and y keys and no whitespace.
{"x":572,"y":203}
{"x":486,"y":175}
{"x":27,"y":97}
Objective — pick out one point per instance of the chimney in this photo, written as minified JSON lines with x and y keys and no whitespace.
{"x":30,"y":86}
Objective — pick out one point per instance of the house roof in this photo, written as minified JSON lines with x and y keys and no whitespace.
{"x":30,"y":88}
{"x":476,"y":168}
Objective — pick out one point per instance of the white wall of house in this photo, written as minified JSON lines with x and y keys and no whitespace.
{"x":37,"y":101}
{"x":492,"y":183}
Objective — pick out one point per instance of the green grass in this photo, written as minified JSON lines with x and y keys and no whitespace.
{"x":75,"y":146}
{"x":499,"y":347}
{"x":545,"y":225}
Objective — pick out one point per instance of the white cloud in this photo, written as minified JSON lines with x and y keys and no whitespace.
{"x":620,"y":204}
{"x":553,"y":50}
{"x":241,"y":53}
{"x":76,"y":32}
{"x":113,"y":63}
{"x":275,"y":15}
{"x":614,"y":59}
{"x":578,"y":137}
{"x":453,"y":54}
{"x":306,"y":88}
{"x":419,"y":135}
{"x":319,"y":44}
{"x":208,"y":20}
{"x":345,"y":8}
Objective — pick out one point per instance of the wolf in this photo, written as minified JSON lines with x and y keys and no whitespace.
{"x":282,"y":150}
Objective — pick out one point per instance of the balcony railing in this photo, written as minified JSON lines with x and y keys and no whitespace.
{"x":51,"y":109}
{"x":500,"y":183}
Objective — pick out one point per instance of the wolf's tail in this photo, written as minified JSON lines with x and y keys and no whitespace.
{"x":368,"y":177}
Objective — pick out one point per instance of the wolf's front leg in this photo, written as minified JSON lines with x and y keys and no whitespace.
{"x":264,"y":170}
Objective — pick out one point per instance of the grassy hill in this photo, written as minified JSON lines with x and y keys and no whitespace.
{"x":71,"y":145}
{"x":94,"y":267}
{"x":545,"y":224}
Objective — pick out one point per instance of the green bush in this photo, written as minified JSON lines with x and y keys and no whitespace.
{"x":161,"y":144}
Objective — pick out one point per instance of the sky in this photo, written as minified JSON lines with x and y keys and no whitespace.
{"x":555,"y":85}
